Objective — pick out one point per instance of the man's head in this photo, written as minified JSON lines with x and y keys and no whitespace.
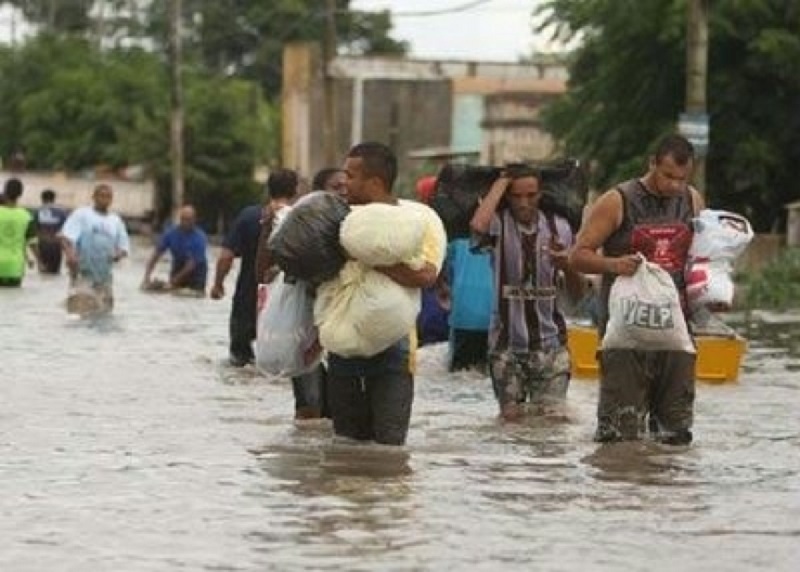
{"x":102,"y":197}
{"x":12,"y":190}
{"x":522,"y":195}
{"x":371,"y":169}
{"x":187,"y":217}
{"x":330,"y":179}
{"x":282,"y":184}
{"x":671,"y":166}
{"x":48,"y":197}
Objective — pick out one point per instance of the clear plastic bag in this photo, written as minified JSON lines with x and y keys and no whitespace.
{"x":644,"y":313}
{"x":287,"y":341}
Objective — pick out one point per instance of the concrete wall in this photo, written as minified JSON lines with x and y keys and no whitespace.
{"x":132,"y":200}
{"x":793,"y":225}
{"x":404,"y":112}
{"x":512,"y":129}
{"x":410,"y":105}
{"x":303,"y":103}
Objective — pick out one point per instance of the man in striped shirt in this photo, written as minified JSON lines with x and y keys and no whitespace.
{"x":528,"y":356}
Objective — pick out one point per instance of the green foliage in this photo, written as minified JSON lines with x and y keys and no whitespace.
{"x":777,"y":286}
{"x":245,"y":38}
{"x":57,"y":16}
{"x":71,"y":106}
{"x":78,"y":95}
{"x":627,"y":88}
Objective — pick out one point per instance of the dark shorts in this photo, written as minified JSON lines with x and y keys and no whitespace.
{"x":540,"y":377}
{"x":310,"y":393}
{"x":10,"y":282}
{"x":242,"y":329}
{"x":370,"y":398}
{"x":635,"y":384}
{"x":50,"y":256}
{"x":469,"y":348}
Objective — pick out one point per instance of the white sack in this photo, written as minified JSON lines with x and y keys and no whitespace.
{"x":645,"y":313}
{"x":380,"y":234}
{"x":362,"y":312}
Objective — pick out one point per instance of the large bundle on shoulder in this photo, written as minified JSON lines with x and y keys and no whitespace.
{"x":362,"y":312}
{"x":306,"y":244}
{"x":460,"y":187}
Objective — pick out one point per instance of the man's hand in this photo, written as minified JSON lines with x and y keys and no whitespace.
{"x":625,"y":265}
{"x":217,"y":292}
{"x":72,"y":261}
{"x":559,"y":254}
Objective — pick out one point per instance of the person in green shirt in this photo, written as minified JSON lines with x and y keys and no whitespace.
{"x":17,"y":232}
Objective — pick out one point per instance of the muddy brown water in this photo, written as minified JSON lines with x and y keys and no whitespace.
{"x":126,"y":444}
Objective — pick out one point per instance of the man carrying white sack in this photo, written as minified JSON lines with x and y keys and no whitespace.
{"x":370,"y":397}
{"x":651,"y":217}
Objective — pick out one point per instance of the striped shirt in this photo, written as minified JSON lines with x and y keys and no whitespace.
{"x":525,"y":316}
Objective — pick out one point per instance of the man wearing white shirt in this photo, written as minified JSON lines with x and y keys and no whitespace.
{"x":94,"y":238}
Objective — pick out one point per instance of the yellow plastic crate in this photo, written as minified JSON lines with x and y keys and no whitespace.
{"x":718,"y":358}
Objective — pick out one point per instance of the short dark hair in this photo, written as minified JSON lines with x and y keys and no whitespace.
{"x":516,"y":171}
{"x":13,"y":189}
{"x":282,"y":184}
{"x":676,"y":146}
{"x":48,"y":196}
{"x":378,"y":160}
{"x":321,"y":178}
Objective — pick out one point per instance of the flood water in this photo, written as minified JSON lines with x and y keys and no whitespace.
{"x":127,"y":444}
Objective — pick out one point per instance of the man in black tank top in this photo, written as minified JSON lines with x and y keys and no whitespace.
{"x":652,"y":216}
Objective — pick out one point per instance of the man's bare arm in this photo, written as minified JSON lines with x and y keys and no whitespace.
{"x":603,"y":219}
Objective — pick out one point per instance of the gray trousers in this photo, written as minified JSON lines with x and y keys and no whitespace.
{"x":635,"y":384}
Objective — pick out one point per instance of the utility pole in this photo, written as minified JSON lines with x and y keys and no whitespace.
{"x":694,"y":123}
{"x":329,"y":54}
{"x":176,"y":105}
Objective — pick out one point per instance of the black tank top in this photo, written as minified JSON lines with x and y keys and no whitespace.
{"x":658,"y":227}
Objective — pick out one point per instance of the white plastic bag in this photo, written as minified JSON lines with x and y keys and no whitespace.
{"x":719,"y":238}
{"x":380,"y":234}
{"x":720,"y":235}
{"x":287,"y":342}
{"x":362,"y":312}
{"x":644,"y":313}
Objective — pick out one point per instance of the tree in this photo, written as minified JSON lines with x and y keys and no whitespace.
{"x":245,"y":38}
{"x":69,"y":105}
{"x":57,"y":16}
{"x":627,"y":83}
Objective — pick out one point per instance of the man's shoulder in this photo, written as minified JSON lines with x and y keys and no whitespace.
{"x":81,"y":212}
{"x":249,"y":215}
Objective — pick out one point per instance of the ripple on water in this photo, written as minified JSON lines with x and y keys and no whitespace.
{"x":128,"y":444}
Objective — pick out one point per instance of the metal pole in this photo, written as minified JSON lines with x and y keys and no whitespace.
{"x":176,"y":106}
{"x":696,"y":74}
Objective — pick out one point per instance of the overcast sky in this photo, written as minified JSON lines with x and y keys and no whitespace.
{"x":498,"y":30}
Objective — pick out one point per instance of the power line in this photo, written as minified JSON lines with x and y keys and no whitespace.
{"x":438,"y":12}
